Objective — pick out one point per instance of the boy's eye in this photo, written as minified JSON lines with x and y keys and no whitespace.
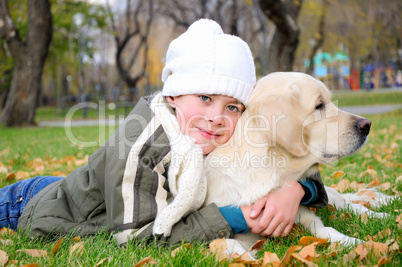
{"x":205,"y":98}
{"x":233,"y":108}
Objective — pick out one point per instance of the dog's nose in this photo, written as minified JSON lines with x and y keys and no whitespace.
{"x":363,"y":126}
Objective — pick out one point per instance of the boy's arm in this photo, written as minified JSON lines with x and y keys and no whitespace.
{"x":203,"y":225}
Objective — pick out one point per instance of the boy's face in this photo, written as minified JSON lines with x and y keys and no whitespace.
{"x":209,"y":119}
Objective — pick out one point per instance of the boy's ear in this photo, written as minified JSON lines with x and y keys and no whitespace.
{"x":170,"y":100}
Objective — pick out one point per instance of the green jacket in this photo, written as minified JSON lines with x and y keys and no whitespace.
{"x":121,"y":189}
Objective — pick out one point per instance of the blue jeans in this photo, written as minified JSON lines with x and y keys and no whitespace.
{"x":14,"y":197}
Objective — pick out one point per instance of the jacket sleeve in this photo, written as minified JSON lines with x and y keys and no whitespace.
{"x":203,"y":225}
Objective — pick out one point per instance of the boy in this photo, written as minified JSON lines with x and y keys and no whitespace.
{"x":208,"y":78}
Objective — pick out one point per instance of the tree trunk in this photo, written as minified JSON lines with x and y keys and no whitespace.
{"x":319,"y":37}
{"x":282,"y":50}
{"x":29,"y":58}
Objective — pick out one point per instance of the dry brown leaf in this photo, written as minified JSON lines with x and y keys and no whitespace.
{"x":10,"y":176}
{"x":5,"y":151}
{"x":394,"y":246}
{"x":375,"y":182}
{"x":338,"y":174}
{"x":368,"y":193}
{"x":76,"y":239}
{"x":330,"y":207}
{"x":383,"y":233}
{"x":349,"y":258}
{"x":378,"y":249}
{"x":385,"y":186}
{"x":217,"y":247}
{"x":34,"y":252}
{"x":146,"y":260}
{"x":77,"y":248}
{"x":333,"y":250}
{"x":56,"y":247}
{"x":355,"y":186}
{"x":377,"y":157}
{"x":6,"y":242}
{"x":3,"y":169}
{"x":383,"y":260}
{"x":246,"y":259}
{"x":270,"y":258}
{"x":236,"y":264}
{"x":364,"y":218}
{"x":308,"y":252}
{"x":307,"y":240}
{"x":20,"y":175}
{"x":30,"y":265}
{"x":343,"y":185}
{"x":288,"y":255}
{"x":178,"y":249}
{"x":3,"y":258}
{"x":369,"y":172}
{"x":399,"y":218}
{"x":362,"y":251}
{"x":257,"y":245}
{"x":102,"y":261}
{"x":6,"y":231}
{"x":301,"y":259}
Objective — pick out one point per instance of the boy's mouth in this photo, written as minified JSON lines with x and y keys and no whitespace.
{"x":208,"y":133}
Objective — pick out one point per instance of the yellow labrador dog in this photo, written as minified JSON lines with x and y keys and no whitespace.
{"x":289,"y":127}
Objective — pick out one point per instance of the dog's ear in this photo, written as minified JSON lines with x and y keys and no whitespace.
{"x":282,"y":121}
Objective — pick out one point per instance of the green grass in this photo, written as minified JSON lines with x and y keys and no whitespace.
{"x":367,"y":97}
{"x":21,"y":149}
{"x":95,"y":111}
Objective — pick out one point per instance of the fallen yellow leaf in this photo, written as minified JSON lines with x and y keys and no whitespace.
{"x":377,"y":157}
{"x":34,"y":252}
{"x":56,"y":247}
{"x":301,"y":259}
{"x":10,"y":176}
{"x":367,"y":193}
{"x":307,"y":240}
{"x":103,"y":260}
{"x":3,"y":258}
{"x":338,"y":174}
{"x":343,"y":185}
{"x":288,"y":255}
{"x":146,"y":260}
{"x":369,"y":172}
{"x":77,"y":248}
{"x":177,"y":250}
{"x":270,"y":258}
{"x":308,"y":252}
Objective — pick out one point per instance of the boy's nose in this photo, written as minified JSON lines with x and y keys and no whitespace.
{"x":215,"y":115}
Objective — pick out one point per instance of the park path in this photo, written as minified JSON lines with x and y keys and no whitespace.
{"x":360,"y":110}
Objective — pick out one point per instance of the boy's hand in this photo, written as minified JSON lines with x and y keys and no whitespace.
{"x":274,"y":214}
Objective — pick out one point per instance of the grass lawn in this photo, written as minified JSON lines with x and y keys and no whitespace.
{"x":367,"y":97}
{"x":29,"y":152}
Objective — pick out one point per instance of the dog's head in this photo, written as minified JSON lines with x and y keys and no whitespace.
{"x":299,"y":117}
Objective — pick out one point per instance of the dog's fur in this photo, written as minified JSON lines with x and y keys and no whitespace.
{"x":288,"y":128}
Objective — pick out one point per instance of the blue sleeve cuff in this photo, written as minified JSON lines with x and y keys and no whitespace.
{"x":234,"y":216}
{"x":310,"y":190}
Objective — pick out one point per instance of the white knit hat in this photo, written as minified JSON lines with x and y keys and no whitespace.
{"x":204,"y":60}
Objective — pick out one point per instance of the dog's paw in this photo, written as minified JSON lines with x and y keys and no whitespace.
{"x":161,"y":228}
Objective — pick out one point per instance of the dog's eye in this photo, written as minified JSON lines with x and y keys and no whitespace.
{"x":319,"y":106}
